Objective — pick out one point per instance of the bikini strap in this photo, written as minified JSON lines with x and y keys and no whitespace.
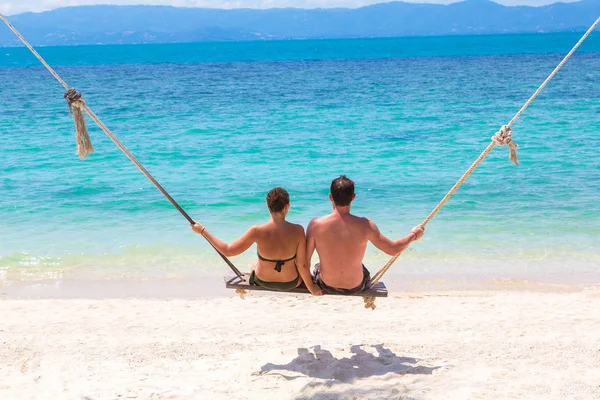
{"x":278,"y":263}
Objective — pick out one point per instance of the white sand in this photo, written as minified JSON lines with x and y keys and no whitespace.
{"x":469,"y":345}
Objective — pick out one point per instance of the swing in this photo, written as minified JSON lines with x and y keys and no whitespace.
{"x":242,"y":284}
{"x":239,"y":282}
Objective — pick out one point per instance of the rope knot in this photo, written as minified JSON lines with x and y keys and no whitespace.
{"x":72,"y":96}
{"x":504,"y":138}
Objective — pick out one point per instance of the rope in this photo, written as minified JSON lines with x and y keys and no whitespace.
{"x":35,"y":53}
{"x":370,"y":302}
{"x":558,"y":67}
{"x":76,"y":104}
{"x":502,"y":138}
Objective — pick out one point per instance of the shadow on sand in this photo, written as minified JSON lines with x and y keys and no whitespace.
{"x":320,"y":363}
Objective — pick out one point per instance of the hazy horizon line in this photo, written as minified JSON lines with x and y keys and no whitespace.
{"x":440,"y":3}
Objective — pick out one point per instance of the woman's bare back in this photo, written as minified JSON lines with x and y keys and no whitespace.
{"x":278,"y":240}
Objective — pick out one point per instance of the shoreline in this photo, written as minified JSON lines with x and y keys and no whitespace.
{"x":213,"y":286}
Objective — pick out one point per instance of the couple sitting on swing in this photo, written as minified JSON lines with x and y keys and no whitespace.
{"x":340,"y":238}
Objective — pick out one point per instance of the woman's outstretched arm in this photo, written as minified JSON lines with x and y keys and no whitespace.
{"x":238,"y":246}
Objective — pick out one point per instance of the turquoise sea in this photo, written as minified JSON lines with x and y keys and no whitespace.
{"x":219,"y":124}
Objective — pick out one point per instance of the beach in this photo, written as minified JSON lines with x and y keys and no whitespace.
{"x":503,"y":344}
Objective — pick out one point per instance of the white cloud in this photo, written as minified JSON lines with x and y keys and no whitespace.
{"x":17,"y":6}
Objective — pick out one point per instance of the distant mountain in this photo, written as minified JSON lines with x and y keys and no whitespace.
{"x":159,"y":24}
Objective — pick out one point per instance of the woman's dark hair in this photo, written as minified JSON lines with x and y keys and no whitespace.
{"x":277,"y":199}
{"x":342,"y":191}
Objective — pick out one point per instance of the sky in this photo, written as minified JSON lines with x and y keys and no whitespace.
{"x":11,"y":7}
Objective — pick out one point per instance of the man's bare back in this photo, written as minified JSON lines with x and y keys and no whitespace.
{"x":341,"y":239}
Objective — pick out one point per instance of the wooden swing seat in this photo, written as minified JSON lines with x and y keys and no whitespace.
{"x":233,"y":282}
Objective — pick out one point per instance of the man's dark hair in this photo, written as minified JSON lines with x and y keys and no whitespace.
{"x":342,"y":191}
{"x":277,"y":199}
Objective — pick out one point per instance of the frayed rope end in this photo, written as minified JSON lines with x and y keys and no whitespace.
{"x":75,"y":102}
{"x":513,"y":154}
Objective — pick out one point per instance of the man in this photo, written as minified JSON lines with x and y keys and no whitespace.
{"x":341,"y":238}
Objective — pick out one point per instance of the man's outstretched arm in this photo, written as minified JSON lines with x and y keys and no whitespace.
{"x":393,"y":247}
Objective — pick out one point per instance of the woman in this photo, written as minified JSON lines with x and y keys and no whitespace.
{"x":281,"y":248}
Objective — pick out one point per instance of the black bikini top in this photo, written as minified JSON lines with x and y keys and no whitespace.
{"x":278,"y":263}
